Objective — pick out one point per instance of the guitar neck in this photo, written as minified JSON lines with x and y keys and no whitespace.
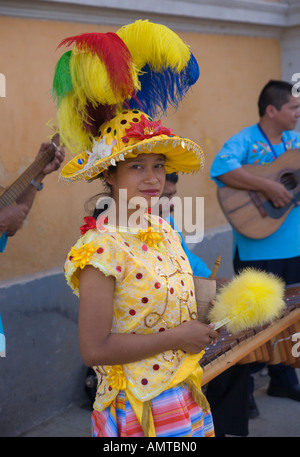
{"x":13,"y":192}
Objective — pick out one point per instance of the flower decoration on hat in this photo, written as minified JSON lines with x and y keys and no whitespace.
{"x":100,"y":151}
{"x":147,"y":129}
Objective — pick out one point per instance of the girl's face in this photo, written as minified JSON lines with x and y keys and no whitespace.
{"x":143,"y":176}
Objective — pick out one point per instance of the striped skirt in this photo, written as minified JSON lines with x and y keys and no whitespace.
{"x":174,"y":412}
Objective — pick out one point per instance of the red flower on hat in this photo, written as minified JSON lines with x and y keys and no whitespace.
{"x":146,"y":129}
{"x":90,"y":223}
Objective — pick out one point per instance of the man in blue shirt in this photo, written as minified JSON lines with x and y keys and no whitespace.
{"x":260,"y":144}
{"x":278,"y":253}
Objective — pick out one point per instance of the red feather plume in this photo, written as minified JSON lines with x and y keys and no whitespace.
{"x":113,"y":53}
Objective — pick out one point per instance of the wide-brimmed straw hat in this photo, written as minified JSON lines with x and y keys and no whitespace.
{"x":127,"y":135}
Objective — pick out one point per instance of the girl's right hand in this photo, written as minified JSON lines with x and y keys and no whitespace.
{"x":195,"y":336}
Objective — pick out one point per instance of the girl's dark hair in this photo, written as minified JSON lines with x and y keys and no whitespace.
{"x":274,"y":93}
{"x":90,"y":205}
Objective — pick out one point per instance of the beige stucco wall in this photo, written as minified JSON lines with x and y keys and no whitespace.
{"x":233,"y":70}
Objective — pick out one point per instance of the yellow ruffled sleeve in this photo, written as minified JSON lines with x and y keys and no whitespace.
{"x":100,"y":250}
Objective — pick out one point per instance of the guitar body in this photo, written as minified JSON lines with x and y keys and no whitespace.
{"x":249,"y":212}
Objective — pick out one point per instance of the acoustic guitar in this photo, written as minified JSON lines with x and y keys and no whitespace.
{"x":9,"y":195}
{"x":249,"y":212}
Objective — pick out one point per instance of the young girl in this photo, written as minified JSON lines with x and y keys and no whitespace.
{"x":138,"y":324}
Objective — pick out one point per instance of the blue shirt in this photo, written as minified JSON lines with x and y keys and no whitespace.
{"x":198,"y":266}
{"x":3,"y":241}
{"x":249,"y":146}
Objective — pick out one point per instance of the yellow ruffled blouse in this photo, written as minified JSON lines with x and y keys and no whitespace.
{"x":154,"y":292}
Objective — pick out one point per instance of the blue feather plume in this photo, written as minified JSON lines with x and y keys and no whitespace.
{"x":159,"y":90}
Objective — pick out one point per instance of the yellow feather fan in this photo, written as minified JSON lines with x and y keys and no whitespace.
{"x":253,"y":298}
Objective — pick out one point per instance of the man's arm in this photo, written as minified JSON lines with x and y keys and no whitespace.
{"x":28,"y":196}
{"x":12,"y":216}
{"x":243,"y":179}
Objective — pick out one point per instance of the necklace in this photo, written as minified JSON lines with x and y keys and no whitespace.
{"x":275,"y":155}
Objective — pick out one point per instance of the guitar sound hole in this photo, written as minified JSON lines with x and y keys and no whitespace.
{"x":289,"y":180}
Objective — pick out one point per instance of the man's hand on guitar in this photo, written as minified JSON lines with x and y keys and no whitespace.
{"x":58,"y":156}
{"x":277,"y":193}
{"x":242,"y":179}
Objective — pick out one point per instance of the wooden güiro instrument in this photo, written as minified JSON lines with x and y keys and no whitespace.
{"x":269,"y":344}
{"x":249,"y":212}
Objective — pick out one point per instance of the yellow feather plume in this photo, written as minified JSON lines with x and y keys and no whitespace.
{"x":71,"y":121}
{"x":154,"y":44}
{"x":251,"y":299}
{"x":91,"y":80}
